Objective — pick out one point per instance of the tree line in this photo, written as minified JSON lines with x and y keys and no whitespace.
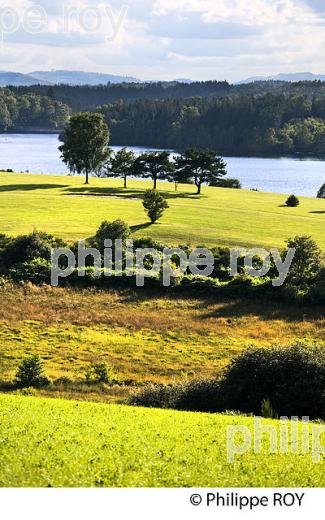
{"x":242,"y":125}
{"x":86,"y":97}
{"x":85,"y":150}
{"x":30,"y":111}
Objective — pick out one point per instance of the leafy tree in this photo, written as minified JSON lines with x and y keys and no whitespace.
{"x":31,"y":373}
{"x":307,"y":261}
{"x":204,"y":166}
{"x":153,"y":165}
{"x":155,"y":205}
{"x":121,"y":165}
{"x":321,"y":193}
{"x":292,"y":201}
{"x":85,"y":143}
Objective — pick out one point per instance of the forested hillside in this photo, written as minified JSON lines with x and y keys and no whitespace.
{"x":263,"y":118}
{"x":268,"y":124}
{"x":87,"y":97}
{"x":30,"y":112}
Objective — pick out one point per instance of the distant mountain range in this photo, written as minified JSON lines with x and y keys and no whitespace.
{"x":18,"y":80}
{"x":292,"y":77}
{"x":69,"y":77}
{"x":55,"y":77}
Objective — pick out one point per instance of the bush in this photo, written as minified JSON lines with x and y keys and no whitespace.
{"x":26,"y":248}
{"x":292,"y":201}
{"x":316,"y":293}
{"x":154,"y":204}
{"x":227,"y":183}
{"x":269,"y":382}
{"x":195,"y":396}
{"x":306,"y":264}
{"x":110,"y":231}
{"x":31,"y":373}
{"x":292,"y":379}
{"x":100,"y":373}
{"x":156,"y":396}
{"x":38,"y":271}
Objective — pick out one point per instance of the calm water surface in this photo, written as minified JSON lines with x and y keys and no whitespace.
{"x":39,"y":154}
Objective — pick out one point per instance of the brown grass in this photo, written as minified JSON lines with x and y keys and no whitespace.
{"x":144,"y":338}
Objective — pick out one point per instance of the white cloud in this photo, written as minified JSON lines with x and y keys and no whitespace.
{"x":170,"y":38}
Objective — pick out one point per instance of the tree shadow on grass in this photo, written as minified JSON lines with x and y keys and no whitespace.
{"x":268,"y":311}
{"x":139,"y":227}
{"x":127,"y":193}
{"x":30,"y":187}
{"x":318,"y":212}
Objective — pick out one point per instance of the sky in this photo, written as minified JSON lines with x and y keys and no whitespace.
{"x":164,"y":39}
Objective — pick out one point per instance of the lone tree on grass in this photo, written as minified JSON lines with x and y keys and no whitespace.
{"x":292,"y":201}
{"x":121,"y":165}
{"x":155,"y":205}
{"x":153,"y":165}
{"x":204,"y":166}
{"x":85,"y":143}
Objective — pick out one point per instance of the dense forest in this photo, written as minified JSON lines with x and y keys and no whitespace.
{"x":268,"y":124}
{"x":261,"y":118}
{"x":30,"y":112}
{"x":85,"y":97}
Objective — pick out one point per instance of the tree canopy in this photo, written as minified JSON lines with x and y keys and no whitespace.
{"x":203,"y":166}
{"x":85,"y":143}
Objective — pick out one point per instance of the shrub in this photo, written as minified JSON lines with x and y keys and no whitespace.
{"x":37,"y":271}
{"x":307,"y":262}
{"x":100,"y":373}
{"x":227,"y":183}
{"x":269,"y":382}
{"x":316,"y":293}
{"x":111,"y":231}
{"x":267,"y":410}
{"x":292,"y":379}
{"x":155,"y":205}
{"x":196,"y":396}
{"x":25,"y":248}
{"x":155,"y":396}
{"x":31,"y":373}
{"x":321,"y":193}
{"x":292,"y":201}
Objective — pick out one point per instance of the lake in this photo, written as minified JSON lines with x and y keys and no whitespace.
{"x":39,"y":154}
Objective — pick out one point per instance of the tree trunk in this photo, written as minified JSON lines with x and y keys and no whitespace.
{"x":125,"y":184}
{"x":176,"y":186}
{"x":155,"y":183}
{"x":198,"y":189}
{"x":87,"y":177}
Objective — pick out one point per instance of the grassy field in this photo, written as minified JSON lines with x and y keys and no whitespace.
{"x":144,"y":338}
{"x":55,"y":443}
{"x":67,"y":208}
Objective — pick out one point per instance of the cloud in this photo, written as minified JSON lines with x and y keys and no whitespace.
{"x":165,"y":39}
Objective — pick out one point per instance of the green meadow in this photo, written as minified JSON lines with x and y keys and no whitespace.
{"x":67,"y":208}
{"x":145,"y":338}
{"x":56,"y":443}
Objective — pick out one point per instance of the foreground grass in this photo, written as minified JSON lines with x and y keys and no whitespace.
{"x":67,"y":208}
{"x":56,"y":443}
{"x":145,"y":338}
